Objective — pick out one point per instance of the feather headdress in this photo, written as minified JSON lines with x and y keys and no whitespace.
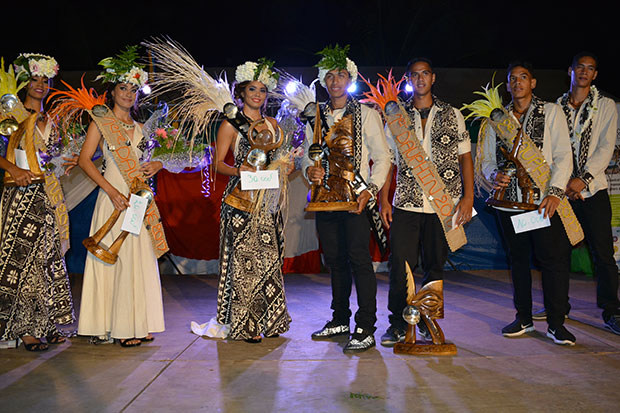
{"x":481,"y":109}
{"x":71,"y":103}
{"x":201,"y":96}
{"x":295,"y":92}
{"x":387,"y":90}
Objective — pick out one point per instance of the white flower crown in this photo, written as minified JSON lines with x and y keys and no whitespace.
{"x":38,"y":65}
{"x":247,"y":73}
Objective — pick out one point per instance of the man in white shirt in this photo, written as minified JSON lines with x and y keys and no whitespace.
{"x":545,"y":124}
{"x":414,"y":226}
{"x":345,"y":236}
{"x":592,"y":122}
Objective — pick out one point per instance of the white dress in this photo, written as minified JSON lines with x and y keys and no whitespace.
{"x":121,"y":300}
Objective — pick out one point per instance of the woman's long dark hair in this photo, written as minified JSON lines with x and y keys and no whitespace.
{"x":240,"y":87}
{"x":109,"y":100}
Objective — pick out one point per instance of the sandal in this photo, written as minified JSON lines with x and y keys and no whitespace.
{"x":36,"y":346}
{"x":253,"y":340}
{"x":129,"y":342}
{"x":273,"y":336}
{"x":147,"y":339}
{"x":56,"y":338}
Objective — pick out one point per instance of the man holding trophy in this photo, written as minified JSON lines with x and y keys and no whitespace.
{"x":526,"y":155}
{"x":352,"y":134}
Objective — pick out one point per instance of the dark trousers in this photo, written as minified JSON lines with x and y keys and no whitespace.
{"x":551,"y":249}
{"x":594,"y":215}
{"x":345,"y":239}
{"x":413,"y":234}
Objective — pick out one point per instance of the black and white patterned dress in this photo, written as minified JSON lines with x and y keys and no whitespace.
{"x":251,"y":288}
{"x":34,"y":287}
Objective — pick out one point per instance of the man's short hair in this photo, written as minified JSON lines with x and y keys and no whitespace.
{"x":584,"y":54}
{"x":521,"y":63}
{"x":420,"y":59}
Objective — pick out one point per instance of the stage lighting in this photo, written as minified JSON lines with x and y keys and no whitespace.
{"x":408,"y":88}
{"x":146,"y":89}
{"x":352,"y":88}
{"x":291,"y":87}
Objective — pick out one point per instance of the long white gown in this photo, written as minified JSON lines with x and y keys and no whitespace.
{"x":122,"y":300}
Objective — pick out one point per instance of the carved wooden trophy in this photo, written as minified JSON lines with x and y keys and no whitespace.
{"x":110,"y":255}
{"x":424,"y":306}
{"x":512,"y":168}
{"x":335,"y":193}
{"x":260,"y":144}
{"x":16,"y":132}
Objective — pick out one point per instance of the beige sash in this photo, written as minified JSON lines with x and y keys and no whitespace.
{"x":53,"y":189}
{"x":537,"y":168}
{"x":424,"y":171}
{"x":129,"y":165}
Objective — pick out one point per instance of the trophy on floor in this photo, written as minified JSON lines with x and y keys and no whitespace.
{"x":337,"y":192}
{"x":92,"y":243}
{"x":514,"y":168}
{"x":425,"y":306}
{"x":261,"y":143}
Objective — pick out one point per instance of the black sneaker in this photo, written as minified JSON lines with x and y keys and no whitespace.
{"x":331,"y":329}
{"x":392,"y":336}
{"x":360,"y":341}
{"x":423,"y":330}
{"x":613,"y":324}
{"x":561,"y":336}
{"x":517,"y":328}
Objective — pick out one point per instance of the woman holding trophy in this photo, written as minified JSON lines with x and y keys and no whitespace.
{"x":121,"y":294}
{"x":34,"y":286}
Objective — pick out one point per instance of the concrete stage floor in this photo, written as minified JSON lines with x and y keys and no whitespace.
{"x":182,"y":372}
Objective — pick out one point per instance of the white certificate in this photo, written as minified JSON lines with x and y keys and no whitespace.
{"x":529,"y":221}
{"x":134,"y":215}
{"x":21,"y":159}
{"x":268,"y":179}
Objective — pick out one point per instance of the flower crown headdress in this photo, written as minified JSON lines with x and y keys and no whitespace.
{"x":123,"y":68}
{"x":35,"y":64}
{"x":261,"y":71}
{"x":335,"y":58}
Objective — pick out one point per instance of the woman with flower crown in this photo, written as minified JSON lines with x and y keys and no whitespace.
{"x":251,"y":299}
{"x":120,"y":301}
{"x":251,"y":290}
{"x":34,"y":287}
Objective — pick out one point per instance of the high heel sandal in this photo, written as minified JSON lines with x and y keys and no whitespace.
{"x":253,"y":340}
{"x":55,"y":338}
{"x":36,"y":346}
{"x":127,"y":342}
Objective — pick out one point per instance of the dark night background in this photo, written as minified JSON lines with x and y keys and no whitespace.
{"x":454,"y":34}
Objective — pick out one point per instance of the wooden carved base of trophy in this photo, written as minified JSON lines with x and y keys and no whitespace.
{"x":518,"y":206}
{"x":240,"y":199}
{"x":425,"y":349}
{"x":331,"y":206}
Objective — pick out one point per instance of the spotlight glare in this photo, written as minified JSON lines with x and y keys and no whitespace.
{"x":146,"y":89}
{"x":409,"y":88}
{"x":291,"y":87}
{"x":352,"y":88}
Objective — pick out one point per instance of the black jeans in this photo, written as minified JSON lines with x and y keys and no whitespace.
{"x":413,"y":234}
{"x":594,"y":215}
{"x":551,"y":249}
{"x":345,"y":240}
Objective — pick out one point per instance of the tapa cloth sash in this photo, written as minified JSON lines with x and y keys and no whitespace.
{"x":129,"y":165}
{"x":424,"y":171}
{"x":53,"y":189}
{"x":537,"y":169}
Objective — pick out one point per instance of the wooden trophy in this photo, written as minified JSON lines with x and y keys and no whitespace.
{"x":260,"y":145}
{"x":16,"y":132}
{"x":513,"y":168}
{"x":424,"y":306}
{"x":335,"y":193}
{"x":110,"y":255}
